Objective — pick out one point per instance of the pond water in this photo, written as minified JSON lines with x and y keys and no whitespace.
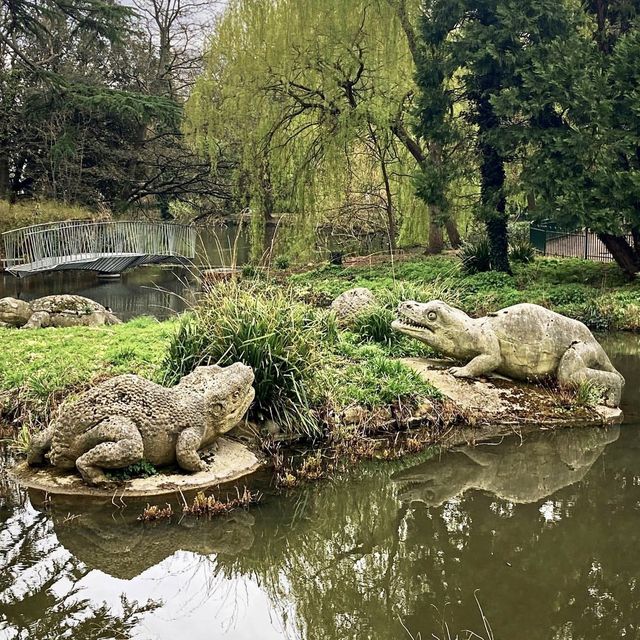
{"x":163,"y":291}
{"x":159,"y":291}
{"x":538,"y":536}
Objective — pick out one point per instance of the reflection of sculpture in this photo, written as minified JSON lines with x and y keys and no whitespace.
{"x":513,"y":470}
{"x":128,"y":419}
{"x":54,"y":311}
{"x":124,"y":548}
{"x":524,"y":342}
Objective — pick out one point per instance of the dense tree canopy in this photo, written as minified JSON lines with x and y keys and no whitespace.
{"x":314,"y":99}
{"x":581,"y":151}
{"x":401,"y":117}
{"x":88,"y":112}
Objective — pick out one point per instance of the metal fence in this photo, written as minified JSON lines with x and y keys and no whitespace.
{"x":43,"y":245}
{"x":577,"y":244}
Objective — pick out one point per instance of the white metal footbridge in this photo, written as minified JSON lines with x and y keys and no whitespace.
{"x":106,"y":247}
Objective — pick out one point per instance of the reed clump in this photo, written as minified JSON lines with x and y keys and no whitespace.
{"x":210,"y":506}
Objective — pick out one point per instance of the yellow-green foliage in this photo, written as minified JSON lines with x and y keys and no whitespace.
{"x":273,"y":91}
{"x":23,"y":214}
{"x":46,"y":361}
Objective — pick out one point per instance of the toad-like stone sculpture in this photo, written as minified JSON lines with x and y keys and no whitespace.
{"x":54,"y":311}
{"x":524,"y":342}
{"x":350,"y":304}
{"x":128,"y":419}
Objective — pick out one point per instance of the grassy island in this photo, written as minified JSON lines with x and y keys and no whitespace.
{"x":314,"y":379}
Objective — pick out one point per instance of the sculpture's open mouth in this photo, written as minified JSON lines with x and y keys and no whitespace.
{"x":408,"y":323}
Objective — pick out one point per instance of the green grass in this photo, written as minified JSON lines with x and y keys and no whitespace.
{"x":368,"y":375}
{"x":264,"y":327}
{"x":305,"y":369}
{"x":43,"y":362}
{"x":594,"y":293}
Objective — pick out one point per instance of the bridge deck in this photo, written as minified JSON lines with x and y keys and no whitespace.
{"x":107,"y":247}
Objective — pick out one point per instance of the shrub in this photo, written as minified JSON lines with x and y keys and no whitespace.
{"x":521,"y":250}
{"x":569,"y":294}
{"x":475,"y":256}
{"x":282,"y":262}
{"x":266,"y":328}
{"x":142,"y":469}
{"x":249,"y":271}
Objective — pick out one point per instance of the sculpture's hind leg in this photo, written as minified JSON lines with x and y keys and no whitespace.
{"x":588,"y":362}
{"x":40,"y":444}
{"x":114,"y":443}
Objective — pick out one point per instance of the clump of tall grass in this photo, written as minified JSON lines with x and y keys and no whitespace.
{"x":265,"y":327}
{"x":444,"y":288}
{"x":374,"y":325}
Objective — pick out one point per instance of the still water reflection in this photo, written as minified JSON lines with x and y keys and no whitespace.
{"x":542,"y":532}
{"x":156,"y":291}
{"x":152,"y":290}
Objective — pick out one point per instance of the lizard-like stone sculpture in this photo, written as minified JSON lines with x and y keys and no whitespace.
{"x":524,"y":342}
{"x":128,"y":419}
{"x":54,"y":311}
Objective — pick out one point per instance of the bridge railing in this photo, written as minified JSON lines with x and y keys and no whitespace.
{"x":42,"y":244}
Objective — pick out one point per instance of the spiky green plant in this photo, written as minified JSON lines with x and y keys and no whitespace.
{"x":265,"y":327}
{"x":475,"y":256}
{"x":374,"y":325}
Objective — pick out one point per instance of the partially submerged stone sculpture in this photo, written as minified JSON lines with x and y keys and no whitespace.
{"x":350,"y":304}
{"x":54,"y":311}
{"x":524,"y":342}
{"x":128,"y":419}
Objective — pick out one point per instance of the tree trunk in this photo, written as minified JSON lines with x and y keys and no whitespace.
{"x":492,"y":175}
{"x":628,"y":260}
{"x":5,"y":177}
{"x":452,"y":232}
{"x":391,"y":219}
{"x":436,"y":242}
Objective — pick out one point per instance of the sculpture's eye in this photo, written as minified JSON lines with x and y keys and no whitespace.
{"x":432,"y":315}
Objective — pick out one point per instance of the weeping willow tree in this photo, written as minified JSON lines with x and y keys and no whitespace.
{"x":313,"y":99}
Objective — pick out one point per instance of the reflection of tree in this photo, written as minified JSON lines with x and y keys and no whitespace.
{"x":30,"y":599}
{"x":350,"y":557}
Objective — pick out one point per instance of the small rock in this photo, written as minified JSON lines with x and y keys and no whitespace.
{"x":353,"y":415}
{"x":14,"y":312}
{"x":350,"y":304}
{"x":272,"y":427}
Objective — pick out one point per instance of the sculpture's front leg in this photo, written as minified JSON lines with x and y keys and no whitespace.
{"x":118,"y":444}
{"x":38,"y":320}
{"x":479,"y":366}
{"x":40,"y":444}
{"x":187,"y":451}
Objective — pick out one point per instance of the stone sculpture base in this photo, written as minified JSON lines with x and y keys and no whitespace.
{"x":231,"y":462}
{"x":496,"y":401}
